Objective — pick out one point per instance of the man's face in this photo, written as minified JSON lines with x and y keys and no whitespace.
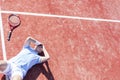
{"x":39,"y":49}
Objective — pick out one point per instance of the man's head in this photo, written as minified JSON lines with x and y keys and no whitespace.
{"x":39,"y":48}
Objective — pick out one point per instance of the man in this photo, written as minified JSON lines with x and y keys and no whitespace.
{"x":17,"y":67}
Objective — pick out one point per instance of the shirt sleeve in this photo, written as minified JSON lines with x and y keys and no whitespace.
{"x":26,"y":46}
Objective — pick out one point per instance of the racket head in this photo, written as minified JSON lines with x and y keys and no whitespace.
{"x":14,"y":21}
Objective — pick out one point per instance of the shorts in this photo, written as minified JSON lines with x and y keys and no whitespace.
{"x":17,"y":71}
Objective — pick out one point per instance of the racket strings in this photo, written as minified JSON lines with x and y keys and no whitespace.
{"x":14,"y":20}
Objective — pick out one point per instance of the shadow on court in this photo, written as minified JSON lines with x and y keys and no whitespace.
{"x":36,"y":70}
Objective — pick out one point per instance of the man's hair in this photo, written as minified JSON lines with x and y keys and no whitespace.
{"x":41,"y":53}
{"x":40,"y":45}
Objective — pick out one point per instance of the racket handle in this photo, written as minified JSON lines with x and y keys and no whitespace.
{"x":9,"y":35}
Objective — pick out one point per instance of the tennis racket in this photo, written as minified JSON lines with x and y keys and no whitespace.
{"x":13,"y":21}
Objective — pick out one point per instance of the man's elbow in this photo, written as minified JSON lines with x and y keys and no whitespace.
{"x":48,"y":57}
{"x":43,"y":59}
{"x":28,"y":37}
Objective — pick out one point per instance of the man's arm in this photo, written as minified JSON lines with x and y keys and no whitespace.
{"x":46,"y":55}
{"x":29,"y":40}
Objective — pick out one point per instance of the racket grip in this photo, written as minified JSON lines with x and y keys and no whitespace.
{"x":9,"y":35}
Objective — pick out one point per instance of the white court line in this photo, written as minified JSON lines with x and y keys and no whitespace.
{"x":2,"y":38}
{"x":61,"y":16}
{"x":46,"y":15}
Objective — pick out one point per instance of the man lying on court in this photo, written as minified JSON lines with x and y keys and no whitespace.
{"x":17,"y":67}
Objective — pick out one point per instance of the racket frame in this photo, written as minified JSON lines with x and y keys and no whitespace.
{"x":11,"y":26}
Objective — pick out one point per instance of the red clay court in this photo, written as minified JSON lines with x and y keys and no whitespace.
{"x":81,"y":36}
